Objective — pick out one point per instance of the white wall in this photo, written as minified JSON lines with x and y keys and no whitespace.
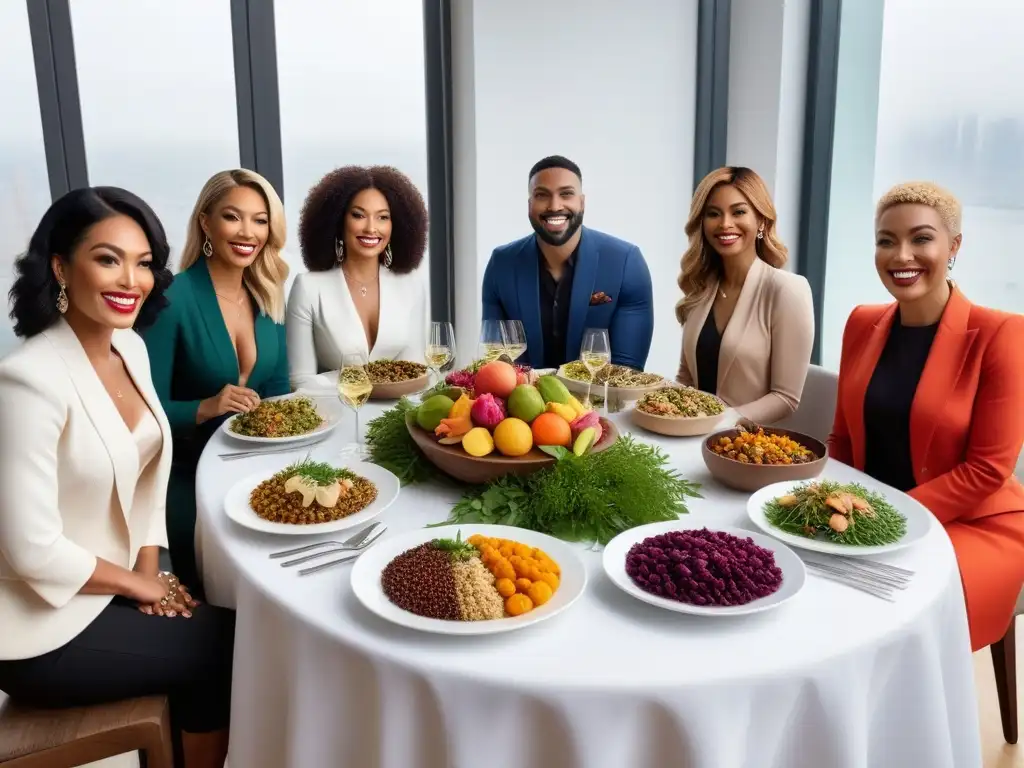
{"x":610,"y":85}
{"x":767,"y":95}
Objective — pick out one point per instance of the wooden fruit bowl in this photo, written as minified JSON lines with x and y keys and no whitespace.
{"x":454,"y":461}
{"x":753,"y":477}
{"x":393,"y":390}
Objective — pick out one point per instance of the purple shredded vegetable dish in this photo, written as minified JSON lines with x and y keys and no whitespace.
{"x":703,"y":567}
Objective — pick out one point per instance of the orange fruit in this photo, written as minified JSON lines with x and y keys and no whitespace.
{"x":512,"y":437}
{"x":551,"y":429}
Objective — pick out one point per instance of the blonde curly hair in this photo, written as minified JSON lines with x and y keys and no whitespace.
{"x":927,"y":193}
{"x":701,"y":265}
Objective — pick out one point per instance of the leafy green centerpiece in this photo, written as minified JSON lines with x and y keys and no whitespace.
{"x":593,"y":497}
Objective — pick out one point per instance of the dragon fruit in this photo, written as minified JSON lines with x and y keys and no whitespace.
{"x":488,"y":411}
{"x":464,"y":379}
{"x":588,"y":420}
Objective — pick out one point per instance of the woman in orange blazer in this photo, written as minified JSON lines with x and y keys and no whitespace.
{"x":931,"y":400}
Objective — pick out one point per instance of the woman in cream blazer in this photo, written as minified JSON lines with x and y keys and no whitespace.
{"x":86,"y":615}
{"x":748,"y":325}
{"x":363,"y":234}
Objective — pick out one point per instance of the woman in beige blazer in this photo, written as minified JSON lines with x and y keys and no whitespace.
{"x":748,"y":324}
{"x":86,"y":615}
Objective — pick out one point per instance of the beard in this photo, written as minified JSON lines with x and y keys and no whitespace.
{"x":574,"y":220}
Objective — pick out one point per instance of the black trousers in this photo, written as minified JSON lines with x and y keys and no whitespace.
{"x":124,"y":654}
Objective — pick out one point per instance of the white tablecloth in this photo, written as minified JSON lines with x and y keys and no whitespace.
{"x":833,"y":679}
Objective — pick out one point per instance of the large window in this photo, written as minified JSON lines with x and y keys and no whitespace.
{"x":351,"y":80}
{"x":157,"y":87}
{"x":948,"y":112}
{"x":24,"y":185}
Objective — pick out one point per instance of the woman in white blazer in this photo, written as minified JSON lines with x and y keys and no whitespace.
{"x":363,"y":232}
{"x":87,"y":616}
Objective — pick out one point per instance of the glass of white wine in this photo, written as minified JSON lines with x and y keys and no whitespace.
{"x":595,"y":354}
{"x":440,"y":346}
{"x":493,"y":342}
{"x":515,"y":338}
{"x":354,"y":387}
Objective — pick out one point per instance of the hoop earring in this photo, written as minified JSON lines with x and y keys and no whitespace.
{"x":208,"y":248}
{"x":339,"y":249}
{"x":62,"y":299}
{"x":388,"y":258}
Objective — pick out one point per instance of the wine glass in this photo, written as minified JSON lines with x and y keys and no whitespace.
{"x":354,"y":387}
{"x":596,"y":353}
{"x":515,"y":336}
{"x":493,"y":342}
{"x":440,"y":346}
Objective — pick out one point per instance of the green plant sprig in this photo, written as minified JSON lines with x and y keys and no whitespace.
{"x":391,"y":446}
{"x":593,"y":497}
{"x":318,"y":472}
{"x":809,"y":517}
{"x":456,"y":548}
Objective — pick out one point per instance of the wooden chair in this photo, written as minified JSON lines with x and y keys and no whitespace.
{"x":67,"y":738}
{"x":1004,"y":662}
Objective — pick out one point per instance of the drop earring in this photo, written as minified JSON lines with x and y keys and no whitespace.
{"x":62,"y":299}
{"x":339,"y":250}
{"x":950,"y":263}
{"x":760,"y":233}
{"x":388,"y":258}
{"x":208,"y":248}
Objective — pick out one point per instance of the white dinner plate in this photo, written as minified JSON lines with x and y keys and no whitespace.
{"x":919,"y":521}
{"x":366,"y":578}
{"x":329,"y":408}
{"x":236,"y":503}
{"x":794,"y":575}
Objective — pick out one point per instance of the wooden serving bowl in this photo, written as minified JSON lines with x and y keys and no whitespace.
{"x":675,"y":426}
{"x":625,"y":394}
{"x":753,"y":477}
{"x":454,"y":461}
{"x":394,"y":390}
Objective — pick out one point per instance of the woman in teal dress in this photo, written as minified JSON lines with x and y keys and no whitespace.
{"x":220,"y":345}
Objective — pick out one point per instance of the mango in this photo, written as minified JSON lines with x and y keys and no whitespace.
{"x":552,"y":390}
{"x":565,"y":411}
{"x":462,"y":407}
{"x":577,"y":406}
{"x":525,"y":403}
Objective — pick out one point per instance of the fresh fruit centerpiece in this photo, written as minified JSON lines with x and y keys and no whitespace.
{"x":521,"y":423}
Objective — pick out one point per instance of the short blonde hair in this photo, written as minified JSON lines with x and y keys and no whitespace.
{"x":923,"y":193}
{"x":266,"y":275}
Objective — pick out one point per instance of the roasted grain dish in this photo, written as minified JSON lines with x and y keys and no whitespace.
{"x":278,"y":418}
{"x":620,"y":376}
{"x":762,"y":447}
{"x":680,"y":403}
{"x":311,"y":492}
{"x":394,"y":371}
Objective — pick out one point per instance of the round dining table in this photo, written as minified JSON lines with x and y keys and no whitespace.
{"x":833,"y":678}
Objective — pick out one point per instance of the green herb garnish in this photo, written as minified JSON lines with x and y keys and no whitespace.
{"x":807,"y":514}
{"x":317,"y":472}
{"x":584,"y":498}
{"x":456,"y":548}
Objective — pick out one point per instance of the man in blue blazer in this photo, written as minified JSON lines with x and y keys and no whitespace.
{"x":565,"y":278}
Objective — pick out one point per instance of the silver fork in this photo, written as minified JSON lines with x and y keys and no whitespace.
{"x":876,"y":590}
{"x":353,"y":541}
{"x":335,"y":550}
{"x":260,"y":452}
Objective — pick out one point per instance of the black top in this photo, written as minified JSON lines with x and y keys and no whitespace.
{"x":709,"y":344}
{"x":887,"y":404}
{"x":555,"y":296}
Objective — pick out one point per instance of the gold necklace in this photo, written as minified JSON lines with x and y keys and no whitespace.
{"x":362,"y":286}
{"x":237,"y":302}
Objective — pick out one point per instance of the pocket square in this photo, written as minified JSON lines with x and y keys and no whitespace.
{"x":599,"y":298}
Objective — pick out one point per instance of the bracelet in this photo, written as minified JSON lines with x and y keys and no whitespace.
{"x":172,"y":587}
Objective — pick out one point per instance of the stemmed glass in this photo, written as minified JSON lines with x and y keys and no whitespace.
{"x":440,"y":346}
{"x":515,"y":337}
{"x":596,"y":353}
{"x":354,"y":387}
{"x":493,"y":342}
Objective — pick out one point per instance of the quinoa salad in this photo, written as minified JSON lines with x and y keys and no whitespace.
{"x":680,"y":403}
{"x":704,"y":567}
{"x":278,"y":418}
{"x":479,"y":579}
{"x":311,"y":492}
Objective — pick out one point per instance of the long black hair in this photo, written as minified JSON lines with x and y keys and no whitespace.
{"x":33,"y":297}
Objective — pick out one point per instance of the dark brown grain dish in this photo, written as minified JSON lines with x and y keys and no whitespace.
{"x":270,"y":502}
{"x":393,"y":371}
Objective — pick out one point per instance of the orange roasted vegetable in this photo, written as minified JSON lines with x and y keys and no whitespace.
{"x":454,"y":427}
